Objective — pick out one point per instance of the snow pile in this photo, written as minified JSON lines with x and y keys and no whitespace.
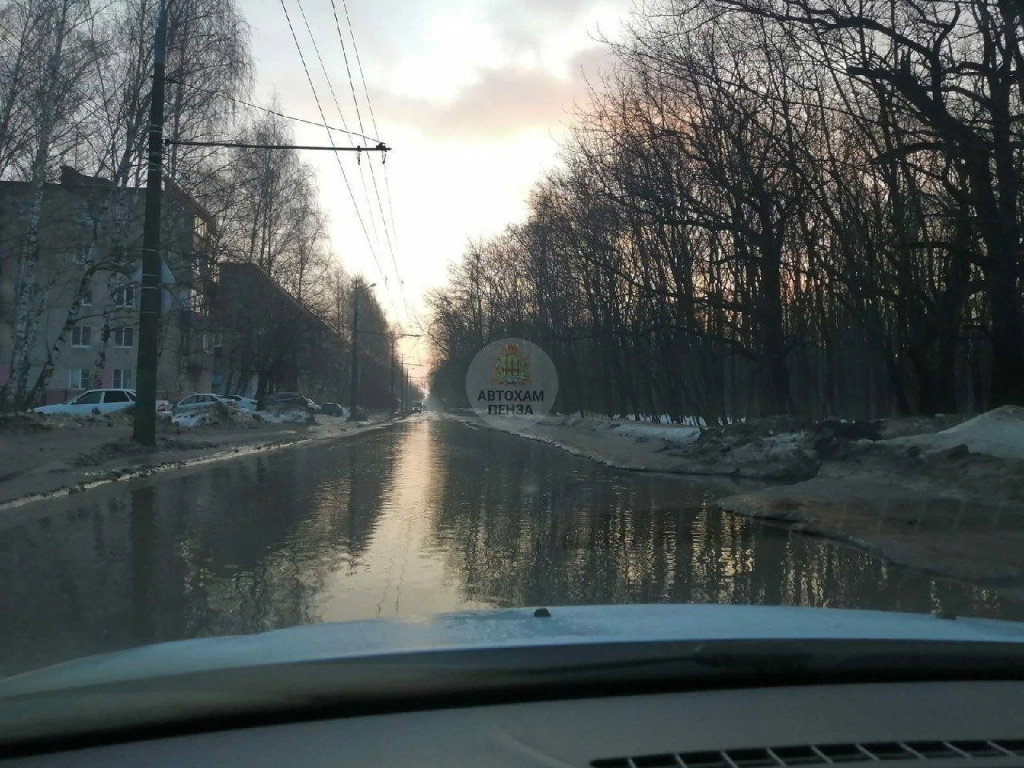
{"x":1000,"y":432}
{"x":675,"y":433}
{"x":190,"y":419}
{"x":285,"y":417}
{"x":214,"y":416}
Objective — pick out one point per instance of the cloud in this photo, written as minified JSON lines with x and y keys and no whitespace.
{"x":523,"y":25}
{"x":503,"y":101}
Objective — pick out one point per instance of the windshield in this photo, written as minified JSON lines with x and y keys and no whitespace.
{"x":439,"y":306}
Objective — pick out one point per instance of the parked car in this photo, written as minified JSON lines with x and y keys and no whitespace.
{"x":334,"y":409}
{"x":244,"y":403}
{"x":200,"y":401}
{"x":294,"y":400}
{"x":93,"y":401}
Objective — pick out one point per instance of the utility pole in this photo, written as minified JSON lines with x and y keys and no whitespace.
{"x":391,"y":384}
{"x":337,"y":297}
{"x":353,"y":389}
{"x":144,"y":422}
{"x":356,"y":288}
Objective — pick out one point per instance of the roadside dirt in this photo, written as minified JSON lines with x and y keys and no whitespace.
{"x":44,"y":456}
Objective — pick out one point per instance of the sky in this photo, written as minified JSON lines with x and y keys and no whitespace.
{"x":474,"y":97}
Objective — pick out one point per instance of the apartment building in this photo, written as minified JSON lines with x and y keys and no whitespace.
{"x":85,"y":291}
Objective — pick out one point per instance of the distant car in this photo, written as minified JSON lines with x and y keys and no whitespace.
{"x":334,"y":409}
{"x":93,"y":401}
{"x":244,"y":403}
{"x":417,"y":407}
{"x":294,"y":400}
{"x":200,"y":401}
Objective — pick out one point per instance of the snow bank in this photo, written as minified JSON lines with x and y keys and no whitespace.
{"x":640,"y":431}
{"x":189,"y":420}
{"x":675,"y":433}
{"x":285,"y":417}
{"x":1000,"y":432}
{"x":216,"y":416}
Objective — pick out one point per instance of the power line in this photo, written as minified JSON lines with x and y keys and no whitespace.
{"x":323,"y":117}
{"x":369,"y":104}
{"x":359,"y":118}
{"x":359,"y":62}
{"x":274,"y":112}
{"x":334,"y":96}
{"x":373,"y":117}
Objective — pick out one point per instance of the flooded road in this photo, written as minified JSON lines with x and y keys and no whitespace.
{"x":425,"y":516}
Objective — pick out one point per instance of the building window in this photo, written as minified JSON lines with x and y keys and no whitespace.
{"x":125,"y":297}
{"x":122,"y":378}
{"x":81,"y":336}
{"x":124,"y":337}
{"x":87,"y":296}
{"x":77,"y":378}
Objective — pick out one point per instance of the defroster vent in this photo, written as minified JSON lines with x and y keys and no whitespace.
{"x":821,"y":754}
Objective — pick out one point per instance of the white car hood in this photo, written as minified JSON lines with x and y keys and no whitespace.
{"x":509,"y":628}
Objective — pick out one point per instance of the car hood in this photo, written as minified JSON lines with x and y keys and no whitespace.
{"x":514,"y":628}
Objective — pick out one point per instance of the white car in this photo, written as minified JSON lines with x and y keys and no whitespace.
{"x":243,"y":403}
{"x":93,"y":401}
{"x":200,"y":401}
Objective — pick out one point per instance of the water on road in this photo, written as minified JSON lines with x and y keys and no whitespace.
{"x":425,"y":516}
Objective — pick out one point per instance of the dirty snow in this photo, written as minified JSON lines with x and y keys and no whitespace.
{"x":641,"y":431}
{"x":1000,"y":432}
{"x":285,"y":417}
{"x":189,"y":420}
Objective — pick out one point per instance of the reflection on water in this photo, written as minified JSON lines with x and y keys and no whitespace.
{"x":424,"y":517}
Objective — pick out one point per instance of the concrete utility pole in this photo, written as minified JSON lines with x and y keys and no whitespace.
{"x":401,"y":371}
{"x":356,"y":287}
{"x":353,"y":373}
{"x":144,"y":423}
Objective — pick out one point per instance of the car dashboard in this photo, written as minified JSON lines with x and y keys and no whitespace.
{"x":950,"y":724}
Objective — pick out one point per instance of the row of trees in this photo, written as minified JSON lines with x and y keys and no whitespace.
{"x":775,"y":206}
{"x":75,"y":81}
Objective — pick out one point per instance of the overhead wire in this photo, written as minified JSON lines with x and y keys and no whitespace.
{"x":334,"y":96}
{"x":274,"y":112}
{"x":359,"y":117}
{"x":369,"y":104}
{"x":330,"y":137}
